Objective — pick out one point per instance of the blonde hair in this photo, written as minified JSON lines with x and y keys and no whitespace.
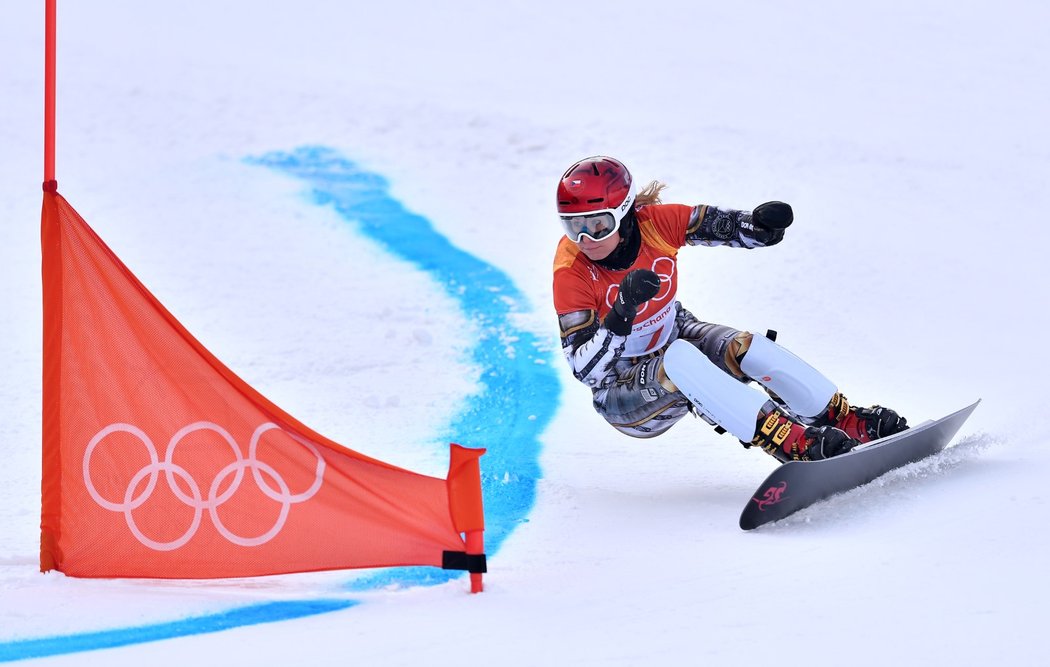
{"x":650,"y":194}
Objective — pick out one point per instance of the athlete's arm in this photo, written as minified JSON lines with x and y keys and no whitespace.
{"x":713,"y":226}
{"x":589,"y":347}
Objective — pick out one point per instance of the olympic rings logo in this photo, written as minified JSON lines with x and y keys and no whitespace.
{"x":260,"y":470}
{"x":664,"y":268}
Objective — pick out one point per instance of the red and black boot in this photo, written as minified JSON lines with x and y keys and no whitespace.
{"x":790,"y":440}
{"x":863,"y":424}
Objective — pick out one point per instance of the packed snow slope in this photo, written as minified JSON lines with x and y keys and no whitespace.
{"x":909,"y":137}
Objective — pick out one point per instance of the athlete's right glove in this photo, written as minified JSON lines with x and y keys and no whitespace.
{"x":636,"y":288}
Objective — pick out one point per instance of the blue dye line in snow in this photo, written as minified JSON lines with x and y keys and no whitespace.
{"x":517,"y":400}
{"x":519,"y":388}
{"x":196,"y":625}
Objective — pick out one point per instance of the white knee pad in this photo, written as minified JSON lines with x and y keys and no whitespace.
{"x":805,"y":389}
{"x":727,"y":401}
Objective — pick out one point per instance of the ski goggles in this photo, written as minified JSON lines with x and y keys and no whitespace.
{"x":596,"y":225}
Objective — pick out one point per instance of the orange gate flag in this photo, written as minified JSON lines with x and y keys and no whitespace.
{"x":158,"y":461}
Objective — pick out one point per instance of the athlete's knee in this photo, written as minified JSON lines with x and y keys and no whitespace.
{"x":647,"y":429}
{"x":644,"y":405}
{"x":723,"y":345}
{"x":735,"y":351}
{"x":651,"y":420}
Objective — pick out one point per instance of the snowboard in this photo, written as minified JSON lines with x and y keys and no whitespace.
{"x":798,"y":484}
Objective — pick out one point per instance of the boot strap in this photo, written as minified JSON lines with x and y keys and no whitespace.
{"x":771,"y":434}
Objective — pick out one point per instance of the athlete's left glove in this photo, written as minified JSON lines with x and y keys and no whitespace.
{"x":768,"y":222}
{"x":636,"y":288}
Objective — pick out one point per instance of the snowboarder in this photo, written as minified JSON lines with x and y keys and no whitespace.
{"x":615,"y":284}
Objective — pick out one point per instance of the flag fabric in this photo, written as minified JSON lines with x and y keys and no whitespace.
{"x":158,"y":461}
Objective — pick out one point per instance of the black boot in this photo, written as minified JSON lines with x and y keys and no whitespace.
{"x":787,"y":439}
{"x":863,"y":424}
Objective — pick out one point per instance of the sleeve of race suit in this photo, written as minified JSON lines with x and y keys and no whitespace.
{"x":713,"y":226}
{"x":590,"y":348}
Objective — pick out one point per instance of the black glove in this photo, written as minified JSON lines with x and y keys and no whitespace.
{"x":636,"y":288}
{"x":769,"y":220}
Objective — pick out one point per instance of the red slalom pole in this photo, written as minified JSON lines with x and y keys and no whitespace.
{"x":50,"y":184}
{"x":476,"y":545}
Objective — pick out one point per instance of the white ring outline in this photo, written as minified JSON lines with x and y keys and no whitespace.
{"x":152,"y":469}
{"x":153,"y":459}
{"x":665,"y":279}
{"x":282,"y":495}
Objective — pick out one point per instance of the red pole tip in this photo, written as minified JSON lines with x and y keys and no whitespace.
{"x":49,"y":92}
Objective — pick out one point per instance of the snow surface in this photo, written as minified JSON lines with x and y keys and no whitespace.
{"x":909,"y":136}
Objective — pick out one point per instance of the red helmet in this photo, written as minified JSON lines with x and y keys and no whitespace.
{"x":594,"y":196}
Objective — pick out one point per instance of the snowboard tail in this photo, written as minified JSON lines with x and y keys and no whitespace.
{"x":798,"y":484}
